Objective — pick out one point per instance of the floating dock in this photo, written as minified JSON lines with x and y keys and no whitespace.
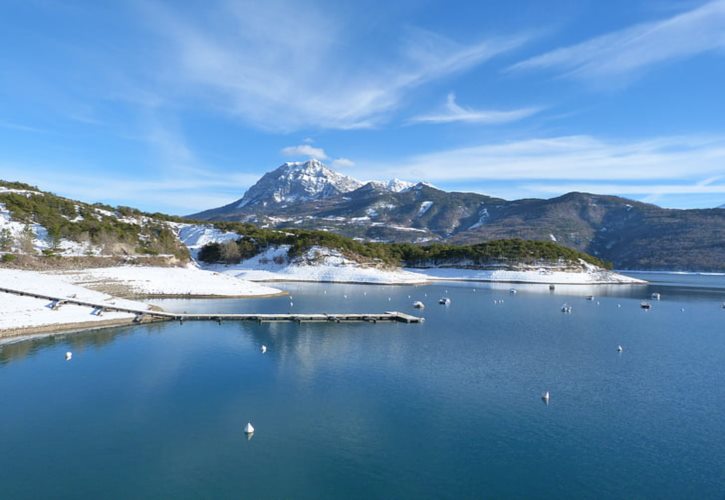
{"x":100,"y":308}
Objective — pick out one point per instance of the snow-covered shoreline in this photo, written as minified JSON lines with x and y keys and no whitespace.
{"x":324,"y":265}
{"x":190,"y":282}
{"x":412,"y":276}
{"x":541,"y":276}
{"x":21,"y":315}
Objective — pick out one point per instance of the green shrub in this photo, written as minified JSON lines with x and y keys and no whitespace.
{"x":8,"y":258}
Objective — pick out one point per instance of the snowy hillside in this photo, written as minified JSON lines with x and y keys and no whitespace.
{"x":33,"y":223}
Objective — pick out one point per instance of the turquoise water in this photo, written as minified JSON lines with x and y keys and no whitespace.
{"x":448,"y":409}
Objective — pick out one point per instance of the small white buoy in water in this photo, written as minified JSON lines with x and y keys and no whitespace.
{"x":248,"y":429}
{"x":291,"y":303}
{"x":619,"y":306}
{"x":620,"y":348}
{"x":545,"y":397}
{"x":682,"y":309}
{"x":263,"y":348}
{"x":68,"y":356}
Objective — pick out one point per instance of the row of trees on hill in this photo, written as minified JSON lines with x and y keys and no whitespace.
{"x":256,"y":240}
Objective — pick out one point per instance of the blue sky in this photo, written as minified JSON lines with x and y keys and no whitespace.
{"x":180,"y":106}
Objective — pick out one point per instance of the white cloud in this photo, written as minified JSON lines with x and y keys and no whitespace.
{"x":629,"y":189}
{"x":569,"y":157}
{"x":19,"y":127}
{"x":284,"y":66}
{"x":455,"y":113}
{"x":305,"y":150}
{"x":634,"y":49}
{"x":342,"y":163}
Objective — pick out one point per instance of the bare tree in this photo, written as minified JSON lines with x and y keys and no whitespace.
{"x":26,"y":240}
{"x":108,"y":242}
{"x":6,"y":240}
{"x":230,"y":252}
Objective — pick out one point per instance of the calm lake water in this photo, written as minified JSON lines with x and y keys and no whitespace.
{"x":448,"y":409}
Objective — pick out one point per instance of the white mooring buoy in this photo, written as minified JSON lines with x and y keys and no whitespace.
{"x":263,"y":348}
{"x":248,"y":429}
{"x":68,"y":356}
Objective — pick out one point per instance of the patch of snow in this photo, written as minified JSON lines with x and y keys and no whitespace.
{"x":26,"y":192}
{"x":399,"y":228}
{"x":318,"y":264}
{"x":21,"y":312}
{"x":482,"y":216}
{"x":424,"y":207}
{"x":105,"y":213}
{"x":195,"y":236}
{"x":188,"y":281}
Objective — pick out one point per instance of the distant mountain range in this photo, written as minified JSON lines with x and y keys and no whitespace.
{"x":630,"y":234}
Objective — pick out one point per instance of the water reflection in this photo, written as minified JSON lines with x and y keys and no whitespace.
{"x":22,"y":347}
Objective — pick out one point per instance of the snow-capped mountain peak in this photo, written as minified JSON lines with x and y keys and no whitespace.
{"x":398,"y":186}
{"x":307,"y":181}
{"x":298,"y":181}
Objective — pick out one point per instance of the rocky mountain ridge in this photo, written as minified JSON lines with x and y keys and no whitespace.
{"x":631,"y":234}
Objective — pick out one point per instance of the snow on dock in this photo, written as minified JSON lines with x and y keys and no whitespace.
{"x":140,"y":313}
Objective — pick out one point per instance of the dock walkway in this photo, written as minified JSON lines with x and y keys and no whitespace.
{"x":99,"y":308}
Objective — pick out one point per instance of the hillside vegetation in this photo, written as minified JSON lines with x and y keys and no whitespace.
{"x":507,"y":251}
{"x":101,"y":228}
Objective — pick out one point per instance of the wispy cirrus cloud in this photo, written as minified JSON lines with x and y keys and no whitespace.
{"x":576,"y":158}
{"x":283,"y":66}
{"x":453,"y":112}
{"x":632,"y":50}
